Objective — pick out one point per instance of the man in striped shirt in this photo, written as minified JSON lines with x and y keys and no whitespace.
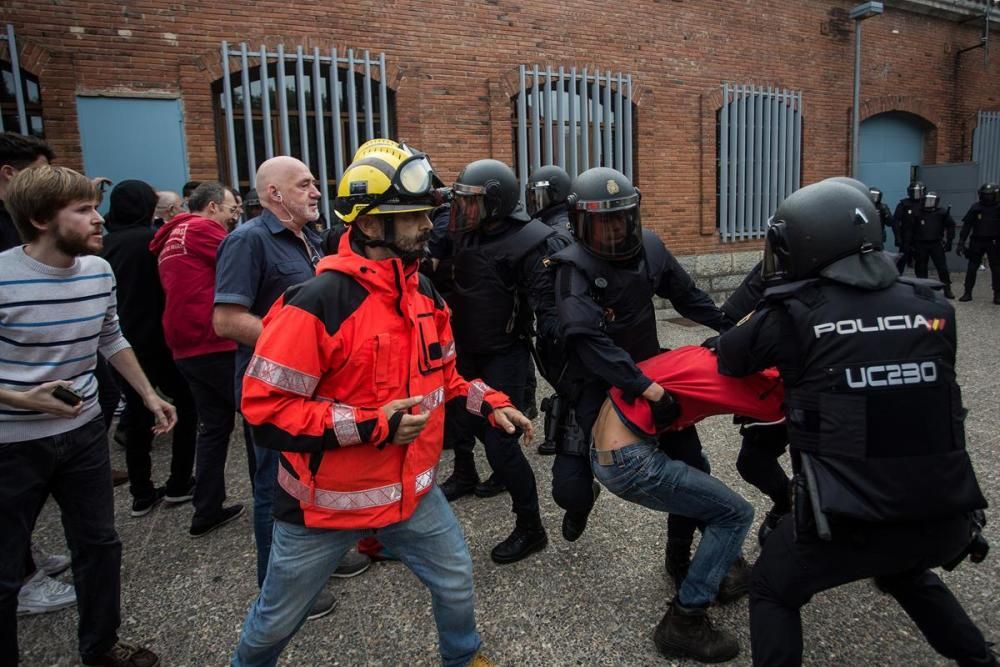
{"x":57,"y":309}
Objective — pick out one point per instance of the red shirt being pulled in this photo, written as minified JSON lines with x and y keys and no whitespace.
{"x":186,"y":248}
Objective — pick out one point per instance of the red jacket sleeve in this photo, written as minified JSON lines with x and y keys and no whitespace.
{"x":292,"y":354}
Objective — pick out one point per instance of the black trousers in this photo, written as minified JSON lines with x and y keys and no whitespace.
{"x":924,"y":250}
{"x":162,"y":374}
{"x":757,"y":462}
{"x":506,"y":372}
{"x":978,"y":247}
{"x":210,"y":378}
{"x":789,"y":573}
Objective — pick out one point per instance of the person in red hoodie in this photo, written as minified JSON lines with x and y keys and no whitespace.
{"x":185,"y":248}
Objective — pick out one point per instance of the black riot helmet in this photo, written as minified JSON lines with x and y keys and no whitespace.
{"x":916,"y":191}
{"x":817,"y":226}
{"x":485,"y":194}
{"x":547,"y":186}
{"x":876,"y":196}
{"x":989,"y":194}
{"x":604,"y":214}
{"x":853,"y":182}
{"x":931,"y":201}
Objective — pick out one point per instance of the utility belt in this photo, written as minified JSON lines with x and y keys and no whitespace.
{"x":561,"y":427}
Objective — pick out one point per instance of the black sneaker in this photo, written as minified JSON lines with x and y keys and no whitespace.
{"x":687,"y":632}
{"x":455,"y":487}
{"x":547,"y":448}
{"x":351,"y":565}
{"x":202,"y":528}
{"x":768,"y":525}
{"x":519,"y":545}
{"x":574,"y":523}
{"x":489,"y":487}
{"x":143,"y":506}
{"x":123,"y":654}
{"x":178,"y":496}
{"x":324,"y":604}
{"x":966,"y":296}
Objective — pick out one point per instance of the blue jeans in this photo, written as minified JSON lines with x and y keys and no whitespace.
{"x":641,"y":473}
{"x":265,"y":482}
{"x":430,"y":543}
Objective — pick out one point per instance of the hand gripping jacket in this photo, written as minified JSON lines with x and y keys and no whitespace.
{"x":874,"y":400}
{"x":691,"y":375}
{"x":334,"y":350}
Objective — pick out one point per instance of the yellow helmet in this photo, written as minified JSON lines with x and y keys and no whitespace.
{"x":386,"y":177}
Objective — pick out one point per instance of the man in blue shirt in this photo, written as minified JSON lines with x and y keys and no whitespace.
{"x":256,"y":264}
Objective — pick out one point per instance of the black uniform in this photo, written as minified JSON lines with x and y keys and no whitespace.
{"x":887,"y":221}
{"x":875,"y":422}
{"x":982,"y":224}
{"x":932,"y":235}
{"x":905,"y":220}
{"x":608,"y":322}
{"x":499,"y":283}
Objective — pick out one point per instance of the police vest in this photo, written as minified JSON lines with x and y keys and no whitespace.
{"x":624,"y":291}
{"x":930,"y":226}
{"x":875,"y":402}
{"x":910,"y":214}
{"x":557,"y":217}
{"x":488,"y":314}
{"x":987,"y":221}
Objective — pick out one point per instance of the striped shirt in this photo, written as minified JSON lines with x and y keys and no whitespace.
{"x":53,"y":321}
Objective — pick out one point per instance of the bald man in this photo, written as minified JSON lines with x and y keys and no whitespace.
{"x":168,"y":204}
{"x":256,"y":263}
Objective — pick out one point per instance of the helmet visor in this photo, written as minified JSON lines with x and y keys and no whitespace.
{"x":931,"y":201}
{"x":774,"y":267}
{"x":468,"y":209}
{"x":876,"y":195}
{"x":612,"y":235}
{"x":538,"y":197}
{"x":916,"y":191}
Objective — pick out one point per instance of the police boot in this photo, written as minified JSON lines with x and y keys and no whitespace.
{"x":948,"y":294}
{"x":687,"y":632}
{"x":462,"y":482}
{"x":491,"y":486}
{"x":527,"y":538}
{"x":996,"y":298}
{"x":574,"y":523}
{"x":768,"y":525}
{"x":966,"y":296}
{"x":736,"y":583}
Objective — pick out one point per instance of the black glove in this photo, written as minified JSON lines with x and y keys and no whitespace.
{"x":947,"y":246}
{"x":711,"y":343}
{"x":665,"y":412}
{"x":961,"y":250}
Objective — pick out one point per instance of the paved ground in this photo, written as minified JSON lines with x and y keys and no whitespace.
{"x":593,"y":602}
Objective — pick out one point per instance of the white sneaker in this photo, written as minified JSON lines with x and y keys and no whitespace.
{"x":43,"y":594}
{"x":50,"y":564}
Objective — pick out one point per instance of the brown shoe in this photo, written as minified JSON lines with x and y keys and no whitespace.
{"x":123,"y":654}
{"x":481,"y":661}
{"x":118,"y":477}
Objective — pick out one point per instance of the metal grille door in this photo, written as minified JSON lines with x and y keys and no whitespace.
{"x":574,"y":119}
{"x":318,"y":107}
{"x":17,"y":88}
{"x":986,"y":147}
{"x":759,"y":157}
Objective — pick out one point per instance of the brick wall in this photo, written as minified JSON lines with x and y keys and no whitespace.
{"x":450,"y":65}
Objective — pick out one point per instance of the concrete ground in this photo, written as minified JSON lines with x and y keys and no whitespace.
{"x":592,"y":602}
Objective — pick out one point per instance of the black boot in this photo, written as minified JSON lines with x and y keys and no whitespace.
{"x":948,"y":294}
{"x":463,"y":480}
{"x":736,"y":583}
{"x":490,"y":487}
{"x":574,"y":523}
{"x":687,"y":632}
{"x":768,"y":525}
{"x":678,"y":560}
{"x":527,"y":538}
{"x":996,"y":298}
{"x":966,"y":296}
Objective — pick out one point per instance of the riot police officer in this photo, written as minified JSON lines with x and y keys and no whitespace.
{"x":931,"y":237}
{"x":545,"y":193}
{"x":500,"y":282}
{"x":868,"y":362}
{"x":605,"y":282}
{"x":906,"y":217}
{"x":982,"y":223}
{"x":884,"y":214}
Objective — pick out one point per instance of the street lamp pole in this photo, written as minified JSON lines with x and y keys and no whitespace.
{"x":860,"y":12}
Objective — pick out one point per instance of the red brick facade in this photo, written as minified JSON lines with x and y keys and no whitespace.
{"x":450,"y":65}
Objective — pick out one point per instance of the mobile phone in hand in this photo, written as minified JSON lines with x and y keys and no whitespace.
{"x":67,"y":395}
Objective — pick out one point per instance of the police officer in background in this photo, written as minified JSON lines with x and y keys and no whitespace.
{"x":500,"y":282}
{"x":866,"y":444}
{"x":545,"y":193}
{"x":884,"y":214}
{"x":605,"y":284}
{"x":931,"y":237}
{"x":982,"y":223}
{"x":906,"y":217}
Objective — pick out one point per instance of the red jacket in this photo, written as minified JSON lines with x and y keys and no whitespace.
{"x":334,"y":350}
{"x":185,"y":249}
{"x":691,"y":375}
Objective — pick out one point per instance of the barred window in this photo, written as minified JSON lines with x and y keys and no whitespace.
{"x":30,"y":93}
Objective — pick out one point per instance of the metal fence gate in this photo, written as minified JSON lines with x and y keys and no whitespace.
{"x":986,"y":147}
{"x":321,"y":90}
{"x":759,"y":147}
{"x":15,"y":69}
{"x":576,"y":120}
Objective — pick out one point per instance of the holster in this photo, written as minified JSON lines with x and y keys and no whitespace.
{"x":810,"y":522}
{"x":573,"y":440}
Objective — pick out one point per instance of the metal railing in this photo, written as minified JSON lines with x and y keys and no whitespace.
{"x":759,"y":156}
{"x":331,"y":78}
{"x":574,"y":119}
{"x":986,"y":147}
